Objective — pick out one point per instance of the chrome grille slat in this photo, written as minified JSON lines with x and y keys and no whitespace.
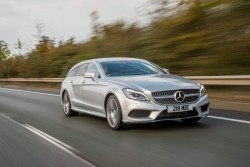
{"x":167,"y":97}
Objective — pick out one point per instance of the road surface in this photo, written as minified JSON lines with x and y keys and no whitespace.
{"x":35,"y":132}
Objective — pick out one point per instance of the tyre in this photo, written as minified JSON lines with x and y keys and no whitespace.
{"x":67,"y":105}
{"x":191,"y":120}
{"x":114,"y":113}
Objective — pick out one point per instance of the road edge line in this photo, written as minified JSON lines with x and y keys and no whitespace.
{"x":27,"y":91}
{"x":228,"y":119}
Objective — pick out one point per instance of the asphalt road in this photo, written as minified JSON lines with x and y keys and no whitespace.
{"x":27,"y":118}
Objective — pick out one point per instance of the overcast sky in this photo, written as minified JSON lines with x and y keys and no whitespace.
{"x":61,"y":19}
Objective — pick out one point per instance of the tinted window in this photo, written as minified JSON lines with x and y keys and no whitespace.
{"x":93,"y":69}
{"x":72,"y":73}
{"x":81,"y":70}
{"x":129,"y":67}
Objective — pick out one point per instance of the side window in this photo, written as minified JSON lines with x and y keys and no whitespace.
{"x":93,"y":69}
{"x":72,"y":73}
{"x":81,"y":70}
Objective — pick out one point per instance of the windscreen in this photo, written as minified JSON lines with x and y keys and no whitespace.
{"x":129,"y":68}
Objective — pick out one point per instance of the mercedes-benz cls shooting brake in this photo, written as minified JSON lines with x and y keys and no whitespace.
{"x":126,"y":90}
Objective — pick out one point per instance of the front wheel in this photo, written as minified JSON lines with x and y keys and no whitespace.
{"x":191,"y":120}
{"x":114,"y":113}
{"x":67,"y":105}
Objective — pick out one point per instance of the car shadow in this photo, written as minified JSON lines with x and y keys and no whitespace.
{"x":167,"y":125}
{"x":162,"y":125}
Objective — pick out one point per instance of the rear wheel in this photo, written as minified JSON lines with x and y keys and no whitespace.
{"x":114,"y":113}
{"x":191,"y":120}
{"x":67,"y":105}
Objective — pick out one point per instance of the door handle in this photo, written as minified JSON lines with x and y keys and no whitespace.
{"x":83,"y":81}
{"x":71,"y":81}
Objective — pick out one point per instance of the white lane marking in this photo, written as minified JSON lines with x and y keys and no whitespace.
{"x":53,"y":141}
{"x":229,"y":119}
{"x":210,"y":116}
{"x":57,"y":143}
{"x":27,"y":91}
{"x":49,"y":137}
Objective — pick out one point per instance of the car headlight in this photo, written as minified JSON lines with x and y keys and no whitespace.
{"x":203,"y":91}
{"x":135,"y":95}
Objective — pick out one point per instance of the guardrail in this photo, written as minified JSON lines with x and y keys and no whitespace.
{"x":43,"y":80}
{"x":230,"y":80}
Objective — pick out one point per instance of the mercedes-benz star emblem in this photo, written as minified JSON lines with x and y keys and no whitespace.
{"x":179,"y":96}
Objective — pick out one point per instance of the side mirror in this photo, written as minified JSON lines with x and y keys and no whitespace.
{"x":90,"y":75}
{"x":166,"y":70}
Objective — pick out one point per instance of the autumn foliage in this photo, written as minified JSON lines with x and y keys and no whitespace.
{"x":197,"y":37}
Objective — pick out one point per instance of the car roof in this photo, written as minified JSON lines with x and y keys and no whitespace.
{"x":100,"y":60}
{"x":113,"y":59}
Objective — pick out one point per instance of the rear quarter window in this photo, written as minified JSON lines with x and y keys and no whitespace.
{"x":72,"y":72}
{"x":81,"y":70}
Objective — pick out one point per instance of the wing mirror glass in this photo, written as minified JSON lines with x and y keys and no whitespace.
{"x":89,"y":75}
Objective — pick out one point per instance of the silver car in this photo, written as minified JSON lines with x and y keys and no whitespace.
{"x":128,"y":90}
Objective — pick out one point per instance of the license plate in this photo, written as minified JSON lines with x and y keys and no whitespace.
{"x":179,"y":108}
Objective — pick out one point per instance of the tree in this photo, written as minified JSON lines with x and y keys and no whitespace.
{"x":19,"y":46}
{"x":39,"y":28}
{"x":96,"y":26}
{"x":45,"y":44}
{"x":70,"y":41}
{"x":4,"y":50}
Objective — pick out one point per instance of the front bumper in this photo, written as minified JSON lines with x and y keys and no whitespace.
{"x":157,"y":112}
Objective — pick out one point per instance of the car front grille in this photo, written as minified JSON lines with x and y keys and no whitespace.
{"x":172,"y":92}
{"x":165,"y":115}
{"x":167,"y":97}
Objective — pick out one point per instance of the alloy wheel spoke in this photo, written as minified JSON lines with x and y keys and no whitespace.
{"x":66,"y":104}
{"x":112,"y":112}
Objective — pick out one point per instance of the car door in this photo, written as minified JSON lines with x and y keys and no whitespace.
{"x":77,"y":82}
{"x":90,"y":90}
